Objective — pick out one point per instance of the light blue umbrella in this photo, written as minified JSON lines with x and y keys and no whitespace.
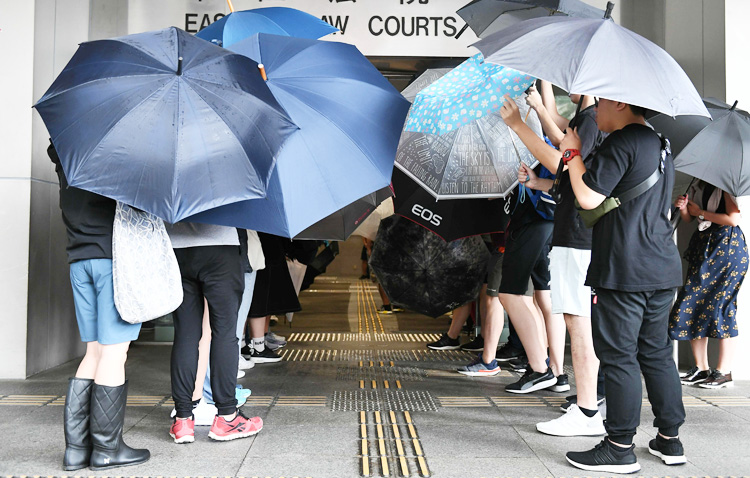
{"x":350,"y":120}
{"x":468,"y":92}
{"x":283,"y":21}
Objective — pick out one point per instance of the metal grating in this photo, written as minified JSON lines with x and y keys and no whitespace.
{"x":405,"y":374}
{"x":380,"y":399}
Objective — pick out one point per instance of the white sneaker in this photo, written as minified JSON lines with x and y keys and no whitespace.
{"x":204,"y":413}
{"x":240,"y":374}
{"x":245,"y":364}
{"x":573,"y":424}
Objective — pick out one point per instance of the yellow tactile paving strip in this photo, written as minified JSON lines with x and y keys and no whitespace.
{"x":389,"y":445}
{"x":360,"y":337}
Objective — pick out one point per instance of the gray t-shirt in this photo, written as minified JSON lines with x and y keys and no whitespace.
{"x":191,"y":234}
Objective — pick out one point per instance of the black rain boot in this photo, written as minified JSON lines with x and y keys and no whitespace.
{"x":76,"y":424}
{"x":107,"y":419}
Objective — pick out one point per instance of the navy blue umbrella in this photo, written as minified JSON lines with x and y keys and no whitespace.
{"x":165,"y":122}
{"x":350,"y":120}
{"x":283,"y":21}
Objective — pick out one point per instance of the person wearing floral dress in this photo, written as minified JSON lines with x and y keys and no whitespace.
{"x":706,"y":305}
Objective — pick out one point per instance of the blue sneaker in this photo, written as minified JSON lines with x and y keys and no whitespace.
{"x":477,"y":368}
{"x":241,"y":395}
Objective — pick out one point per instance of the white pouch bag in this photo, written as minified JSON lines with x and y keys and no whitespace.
{"x":145,"y":273}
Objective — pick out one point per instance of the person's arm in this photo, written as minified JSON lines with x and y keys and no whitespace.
{"x":547,"y":155}
{"x":553,"y":132}
{"x":731,"y":218}
{"x":587,"y":197}
{"x":548,"y":97}
{"x":528,"y":178}
{"x":681,"y":203}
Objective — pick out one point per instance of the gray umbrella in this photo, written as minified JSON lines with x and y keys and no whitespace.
{"x":486,"y":17}
{"x":422,"y":272}
{"x":598,"y":58}
{"x":713,"y":151}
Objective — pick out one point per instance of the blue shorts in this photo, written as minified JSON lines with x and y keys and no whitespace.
{"x":93,"y":294}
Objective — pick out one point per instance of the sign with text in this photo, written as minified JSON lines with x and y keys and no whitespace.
{"x":376,"y":27}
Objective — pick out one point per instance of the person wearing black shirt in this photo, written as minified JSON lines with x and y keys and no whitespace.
{"x":95,"y":402}
{"x":570,"y":255}
{"x":635,"y":268}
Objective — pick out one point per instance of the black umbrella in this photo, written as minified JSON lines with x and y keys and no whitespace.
{"x":486,"y":17}
{"x":450,"y":219}
{"x":423,"y":273}
{"x":714,"y":151}
{"x":342,"y":223}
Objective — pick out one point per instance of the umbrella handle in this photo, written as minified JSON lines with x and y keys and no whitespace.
{"x":231,"y":7}
{"x":607,"y":13}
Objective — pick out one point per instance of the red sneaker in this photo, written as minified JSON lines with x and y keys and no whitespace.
{"x":240,"y":427}
{"x":183,"y":431}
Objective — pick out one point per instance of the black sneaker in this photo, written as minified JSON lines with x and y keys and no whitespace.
{"x":562,"y":384}
{"x":573,"y":399}
{"x":508,"y":352}
{"x":520,"y":364}
{"x":717,"y":380}
{"x":476,"y":345}
{"x":246,"y":352}
{"x":445,"y":343}
{"x":605,"y":457}
{"x":532,"y":381}
{"x":670,"y":450}
{"x":693,"y":376}
{"x":266,"y":356}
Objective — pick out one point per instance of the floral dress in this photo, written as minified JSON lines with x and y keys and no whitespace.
{"x":717,"y":260}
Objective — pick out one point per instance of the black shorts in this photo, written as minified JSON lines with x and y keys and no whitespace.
{"x":526,"y":255}
{"x":364,"y":254}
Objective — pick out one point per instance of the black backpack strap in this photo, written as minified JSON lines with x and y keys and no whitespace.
{"x":650,"y":181}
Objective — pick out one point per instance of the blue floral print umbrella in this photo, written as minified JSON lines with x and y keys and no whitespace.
{"x":468,"y":92}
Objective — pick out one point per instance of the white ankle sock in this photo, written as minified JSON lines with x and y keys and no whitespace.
{"x":259,"y":345}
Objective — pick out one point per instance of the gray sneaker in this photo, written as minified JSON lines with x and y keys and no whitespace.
{"x":479,"y":369}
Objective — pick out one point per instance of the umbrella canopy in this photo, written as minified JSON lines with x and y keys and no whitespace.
{"x":479,"y":160}
{"x":714,"y":151}
{"x":466,"y":93}
{"x":164,"y":122}
{"x":424,"y":80}
{"x":486,"y":17}
{"x":421,"y":272}
{"x":597,"y":58}
{"x":350,"y":118}
{"x":342,"y":223}
{"x":369,"y":227}
{"x":450,"y":219}
{"x":284,"y":21}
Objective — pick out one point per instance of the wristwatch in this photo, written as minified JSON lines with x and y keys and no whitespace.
{"x":570,"y":154}
{"x":701,"y":217}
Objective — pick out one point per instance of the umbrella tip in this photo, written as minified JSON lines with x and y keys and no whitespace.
{"x":734,"y":105}
{"x":179,"y":66}
{"x":231,"y":7}
{"x":263,"y":71}
{"x":608,"y":12}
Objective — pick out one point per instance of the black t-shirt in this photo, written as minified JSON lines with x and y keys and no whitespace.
{"x":88,"y":219}
{"x":569,"y":229}
{"x":632,"y":248}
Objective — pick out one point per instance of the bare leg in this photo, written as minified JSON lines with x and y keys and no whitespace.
{"x":727,"y":348}
{"x":383,"y":296}
{"x":585,"y":362}
{"x":492,"y":326}
{"x":527,"y":328}
{"x":258,"y":327}
{"x":700,"y":352}
{"x":110,"y":371}
{"x":539,"y":318}
{"x":459,"y":319}
{"x":204,"y":346}
{"x":267,"y":325}
{"x":87,"y":368}
{"x":555,"y":327}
